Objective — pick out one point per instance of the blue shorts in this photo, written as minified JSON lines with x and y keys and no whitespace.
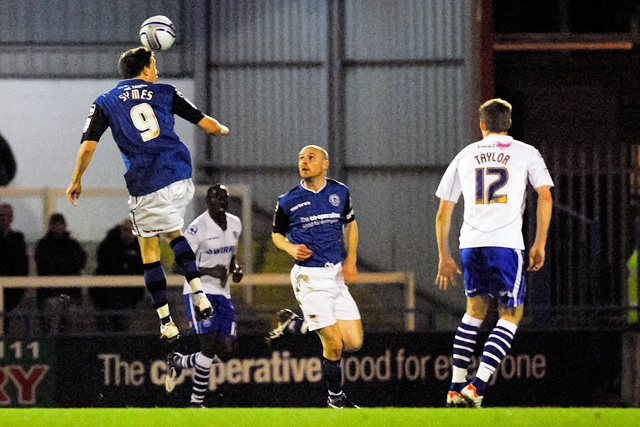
{"x":496,"y":272}
{"x":222,"y":320}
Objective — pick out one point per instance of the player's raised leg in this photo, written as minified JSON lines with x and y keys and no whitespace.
{"x":186,"y":262}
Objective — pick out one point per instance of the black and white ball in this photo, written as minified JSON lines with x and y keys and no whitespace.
{"x":157,"y":33}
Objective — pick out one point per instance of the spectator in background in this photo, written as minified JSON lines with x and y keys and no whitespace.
{"x":14,"y":260}
{"x":8,"y":167}
{"x":58,"y":254}
{"x":118,"y":254}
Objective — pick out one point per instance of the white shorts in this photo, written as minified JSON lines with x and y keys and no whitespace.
{"x":162,"y":211}
{"x":323,"y":296}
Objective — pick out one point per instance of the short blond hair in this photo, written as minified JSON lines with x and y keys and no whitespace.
{"x":325,"y":154}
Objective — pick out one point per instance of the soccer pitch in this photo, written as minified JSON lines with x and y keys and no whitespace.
{"x":301,"y":417}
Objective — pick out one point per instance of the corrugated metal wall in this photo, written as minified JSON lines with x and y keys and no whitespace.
{"x":387,"y":86}
{"x":77,"y":38}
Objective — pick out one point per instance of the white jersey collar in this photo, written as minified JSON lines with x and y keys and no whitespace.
{"x":308,"y":189}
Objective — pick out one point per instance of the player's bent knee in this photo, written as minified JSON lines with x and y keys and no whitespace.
{"x":351,"y":347}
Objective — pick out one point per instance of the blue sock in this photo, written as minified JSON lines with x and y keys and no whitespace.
{"x":184,"y":257}
{"x":496,"y":348}
{"x":463,"y":348}
{"x":156,"y":283}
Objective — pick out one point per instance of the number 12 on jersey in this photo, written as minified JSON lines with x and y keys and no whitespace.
{"x":488,"y":193}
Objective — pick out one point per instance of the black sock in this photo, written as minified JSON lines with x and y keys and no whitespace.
{"x":332,"y":374}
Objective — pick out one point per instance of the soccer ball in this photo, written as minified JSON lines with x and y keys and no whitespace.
{"x":157,"y":33}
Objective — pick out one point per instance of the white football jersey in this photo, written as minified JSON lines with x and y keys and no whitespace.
{"x":213,"y":246}
{"x":492,"y":175}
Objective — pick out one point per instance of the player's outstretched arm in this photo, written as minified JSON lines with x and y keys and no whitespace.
{"x":298,"y":252}
{"x":543,"y":219}
{"x":85,"y":154}
{"x":211,"y":125}
{"x":447,"y":267}
{"x":350,"y":236}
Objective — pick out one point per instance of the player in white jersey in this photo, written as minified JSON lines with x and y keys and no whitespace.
{"x":213,"y":236}
{"x":492,"y":176}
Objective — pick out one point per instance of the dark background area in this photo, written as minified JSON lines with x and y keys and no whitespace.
{"x":569,"y":68}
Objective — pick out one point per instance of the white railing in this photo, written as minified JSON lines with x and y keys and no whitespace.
{"x":406,"y":279}
{"x":49,"y":198}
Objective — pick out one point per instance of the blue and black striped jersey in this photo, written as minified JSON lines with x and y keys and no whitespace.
{"x":315,"y":219}
{"x":141,"y":117}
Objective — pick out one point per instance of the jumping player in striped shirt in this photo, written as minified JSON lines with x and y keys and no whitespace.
{"x":492,"y":176}
{"x":140,"y":112}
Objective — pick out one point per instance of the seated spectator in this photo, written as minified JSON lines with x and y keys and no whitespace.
{"x":58,"y":254}
{"x":14,"y":260}
{"x":118,"y":254}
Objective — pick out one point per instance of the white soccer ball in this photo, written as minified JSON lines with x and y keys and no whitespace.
{"x":157,"y":33}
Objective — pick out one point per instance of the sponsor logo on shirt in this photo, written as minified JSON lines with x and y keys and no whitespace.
{"x":311,"y":221}
{"x":88,"y":121}
{"x":502,"y":145}
{"x":222,"y":250}
{"x":299,"y":205}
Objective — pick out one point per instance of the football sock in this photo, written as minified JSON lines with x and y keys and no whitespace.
{"x":298,"y":326}
{"x":200,"y":377}
{"x":186,"y":260}
{"x":463,"y":347}
{"x":164,"y":319}
{"x":333,"y":397}
{"x":188,"y":360}
{"x":332,"y":374}
{"x":495,"y":349}
{"x":156,"y":283}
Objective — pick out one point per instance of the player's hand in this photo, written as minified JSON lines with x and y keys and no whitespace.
{"x":536,"y":258}
{"x":349,"y":272}
{"x":222,"y":129}
{"x":218,"y":271}
{"x":447,"y":270}
{"x":300,"y":252}
{"x":73,"y":192}
{"x":236,"y":274}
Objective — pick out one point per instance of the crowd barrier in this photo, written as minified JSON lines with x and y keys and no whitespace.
{"x":249,"y":281}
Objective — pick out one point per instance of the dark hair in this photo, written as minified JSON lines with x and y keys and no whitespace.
{"x":133,"y":61}
{"x":496,"y":114}
{"x":215,"y":188}
{"x":56,"y":218}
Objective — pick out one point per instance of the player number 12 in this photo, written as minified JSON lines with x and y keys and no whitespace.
{"x":490,"y":193}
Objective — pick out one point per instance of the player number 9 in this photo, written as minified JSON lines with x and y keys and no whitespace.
{"x":144,"y":119}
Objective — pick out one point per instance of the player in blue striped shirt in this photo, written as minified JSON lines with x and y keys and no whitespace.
{"x":311,"y":223}
{"x":140,"y":112}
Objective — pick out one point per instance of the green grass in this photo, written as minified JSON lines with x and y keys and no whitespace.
{"x":300,"y":417}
